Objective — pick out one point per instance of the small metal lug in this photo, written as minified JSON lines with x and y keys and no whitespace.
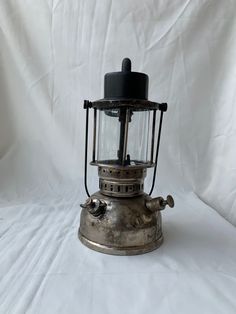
{"x":95,"y":207}
{"x":159,"y":203}
{"x":87,"y":104}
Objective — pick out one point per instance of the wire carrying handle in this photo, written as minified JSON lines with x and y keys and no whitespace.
{"x":157,"y":149}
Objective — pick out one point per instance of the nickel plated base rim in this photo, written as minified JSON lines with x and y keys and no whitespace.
{"x":121,"y":251}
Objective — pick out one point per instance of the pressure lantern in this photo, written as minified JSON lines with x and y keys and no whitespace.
{"x":121,"y":218}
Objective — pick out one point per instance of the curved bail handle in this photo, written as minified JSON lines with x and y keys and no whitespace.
{"x":162,"y":108}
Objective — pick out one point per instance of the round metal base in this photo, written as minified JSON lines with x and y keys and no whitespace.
{"x":125,"y":226}
{"x":131,"y":250}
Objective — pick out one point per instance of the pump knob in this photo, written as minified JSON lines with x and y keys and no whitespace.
{"x":159,"y":203}
{"x":169,"y":201}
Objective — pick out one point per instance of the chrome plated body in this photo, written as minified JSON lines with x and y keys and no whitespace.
{"x":121,"y":219}
{"x":127,"y":226}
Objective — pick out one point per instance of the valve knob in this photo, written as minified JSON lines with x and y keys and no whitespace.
{"x":169,"y":201}
{"x":94,"y":206}
{"x":159,"y":203}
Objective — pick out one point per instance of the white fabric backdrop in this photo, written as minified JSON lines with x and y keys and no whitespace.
{"x":54,"y":55}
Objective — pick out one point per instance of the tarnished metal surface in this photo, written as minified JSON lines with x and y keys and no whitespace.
{"x":122,"y":173}
{"x":126,"y":227}
{"x":132,"y":250}
{"x":121,"y":182}
{"x":121,"y":219}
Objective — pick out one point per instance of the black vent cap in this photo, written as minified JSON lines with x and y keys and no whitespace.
{"x":126,"y":84}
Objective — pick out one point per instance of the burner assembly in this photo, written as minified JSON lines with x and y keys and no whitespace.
{"x":120,"y":218}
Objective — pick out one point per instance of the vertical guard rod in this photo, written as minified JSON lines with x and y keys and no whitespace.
{"x":86,"y":151}
{"x":94,"y":133}
{"x":125,"y":137}
{"x":153,"y":135}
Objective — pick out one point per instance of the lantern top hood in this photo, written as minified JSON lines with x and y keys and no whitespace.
{"x":125,"y":84}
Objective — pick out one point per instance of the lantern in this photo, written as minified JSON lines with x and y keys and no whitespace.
{"x":121,"y":218}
